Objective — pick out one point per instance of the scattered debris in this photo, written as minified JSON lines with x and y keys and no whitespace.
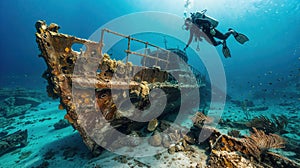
{"x":25,"y":155}
{"x":61,"y":124}
{"x":200,"y":119}
{"x":264,"y":108}
{"x":44,"y":164}
{"x":152,"y":125}
{"x":234,"y":133}
{"x":15,"y":102}
{"x":13,"y":111}
{"x":69,"y":152}
{"x":276,"y":125}
{"x":3,"y":133}
{"x":13,"y":141}
{"x":49,"y":155}
{"x":245,"y":103}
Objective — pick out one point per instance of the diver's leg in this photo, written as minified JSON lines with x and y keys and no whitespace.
{"x":212,"y":40}
{"x":222,"y":36}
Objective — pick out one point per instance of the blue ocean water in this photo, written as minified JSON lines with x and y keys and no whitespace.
{"x":268,"y":66}
{"x":271,"y":26}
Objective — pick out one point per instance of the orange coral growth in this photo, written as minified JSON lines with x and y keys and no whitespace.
{"x":61,"y":107}
{"x":68,"y":117}
{"x":67,"y":49}
{"x":86,"y":101}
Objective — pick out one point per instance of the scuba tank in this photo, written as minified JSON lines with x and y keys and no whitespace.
{"x":214,"y":22}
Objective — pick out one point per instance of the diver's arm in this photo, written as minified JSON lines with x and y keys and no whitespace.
{"x":190,"y":40}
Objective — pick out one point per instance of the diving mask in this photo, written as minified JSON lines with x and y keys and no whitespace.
{"x":187,"y":24}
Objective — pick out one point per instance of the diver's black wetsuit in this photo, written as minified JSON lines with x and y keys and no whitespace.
{"x":205,"y":26}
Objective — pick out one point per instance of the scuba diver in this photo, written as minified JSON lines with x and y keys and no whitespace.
{"x":199,"y":23}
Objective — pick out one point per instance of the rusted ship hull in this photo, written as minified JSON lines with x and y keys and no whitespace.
{"x":85,"y":91}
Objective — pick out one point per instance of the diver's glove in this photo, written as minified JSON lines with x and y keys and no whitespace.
{"x":186,"y":47}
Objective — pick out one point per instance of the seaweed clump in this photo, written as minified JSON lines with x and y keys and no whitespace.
{"x":258,"y":142}
{"x":251,"y":151}
{"x":274,"y":125}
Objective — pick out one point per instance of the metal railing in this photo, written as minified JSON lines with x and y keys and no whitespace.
{"x":129,"y":52}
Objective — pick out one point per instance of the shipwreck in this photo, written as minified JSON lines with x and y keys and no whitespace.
{"x":119,"y":90}
{"x":106,"y":99}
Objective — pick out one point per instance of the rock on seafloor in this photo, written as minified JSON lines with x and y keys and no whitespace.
{"x":13,"y":141}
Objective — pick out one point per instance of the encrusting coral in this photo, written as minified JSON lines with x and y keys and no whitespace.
{"x":152,"y":125}
{"x":199,"y":119}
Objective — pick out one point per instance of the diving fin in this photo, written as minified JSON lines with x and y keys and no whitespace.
{"x":241,"y":38}
{"x":226,"y":51}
